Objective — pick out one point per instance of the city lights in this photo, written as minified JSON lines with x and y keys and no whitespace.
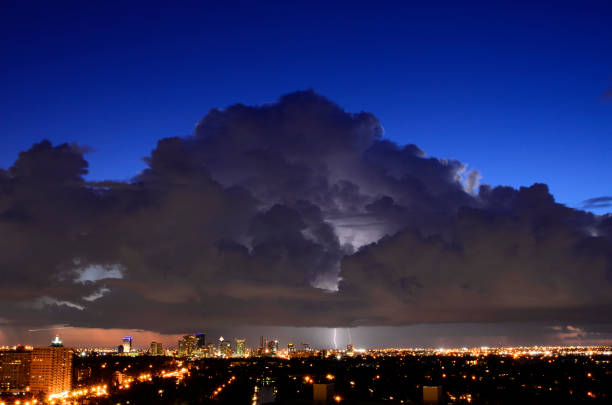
{"x":453,"y":373}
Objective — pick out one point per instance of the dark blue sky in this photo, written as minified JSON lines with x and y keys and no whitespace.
{"x":514,"y":90}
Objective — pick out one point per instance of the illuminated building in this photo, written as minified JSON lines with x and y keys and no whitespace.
{"x":127,"y":344}
{"x":291,"y":348}
{"x":225,"y":347}
{"x":240,"y":347}
{"x":305,"y":347}
{"x":51,"y":369}
{"x":156,"y":349}
{"x":187,"y":345}
{"x":14,"y":369}
{"x":350,"y":349}
{"x":272,"y":348}
{"x":211,"y":350}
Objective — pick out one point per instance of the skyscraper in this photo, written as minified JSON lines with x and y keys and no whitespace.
{"x":156,"y":349}
{"x":51,"y":369}
{"x":225,"y":347}
{"x":15,"y":369}
{"x":272,"y":349}
{"x":240,"y":347}
{"x":210,"y":350}
{"x":201,"y":338}
{"x":127,"y":344}
{"x":187,"y":345}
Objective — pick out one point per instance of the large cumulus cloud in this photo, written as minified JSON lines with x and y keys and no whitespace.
{"x":293,"y":213}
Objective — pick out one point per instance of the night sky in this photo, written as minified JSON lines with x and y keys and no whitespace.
{"x":428,"y":175}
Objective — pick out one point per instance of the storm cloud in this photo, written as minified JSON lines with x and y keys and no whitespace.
{"x":295,"y":213}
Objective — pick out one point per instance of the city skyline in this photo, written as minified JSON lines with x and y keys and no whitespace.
{"x":232,"y":373}
{"x":415,"y":177}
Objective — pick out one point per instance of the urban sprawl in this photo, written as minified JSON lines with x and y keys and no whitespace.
{"x":227,"y":371}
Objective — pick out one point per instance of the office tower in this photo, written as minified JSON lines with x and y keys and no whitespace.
{"x":306,"y":347}
{"x":156,"y":349}
{"x":191,"y":343}
{"x":187,"y":345}
{"x":291,"y":348}
{"x":225,"y":347}
{"x":240,"y":347}
{"x":201,"y":338}
{"x":51,"y":369}
{"x":14,"y":369}
{"x":272,"y":348}
{"x":127,"y":344}
{"x":211,"y":352}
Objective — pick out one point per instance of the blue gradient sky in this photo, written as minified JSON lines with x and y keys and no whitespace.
{"x":514,"y":90}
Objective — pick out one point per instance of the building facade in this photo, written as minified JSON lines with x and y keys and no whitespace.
{"x":225,"y":347}
{"x":127,"y":344}
{"x":240,"y":348}
{"x":187,"y":345}
{"x":14,"y":370}
{"x":51,"y":369}
{"x":156,"y":349}
{"x":201,"y":338}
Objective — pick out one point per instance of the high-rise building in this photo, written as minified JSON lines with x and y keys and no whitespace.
{"x":201,"y":338}
{"x":290,"y":348}
{"x":240,"y":347}
{"x":225,"y":347}
{"x":187,"y":345}
{"x":15,"y":369}
{"x":156,"y":349}
{"x":51,"y":369}
{"x":127,"y":344}
{"x":272,"y":349}
{"x":211,"y":351}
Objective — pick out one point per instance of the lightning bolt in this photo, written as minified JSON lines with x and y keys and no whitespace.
{"x":335,"y":344}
